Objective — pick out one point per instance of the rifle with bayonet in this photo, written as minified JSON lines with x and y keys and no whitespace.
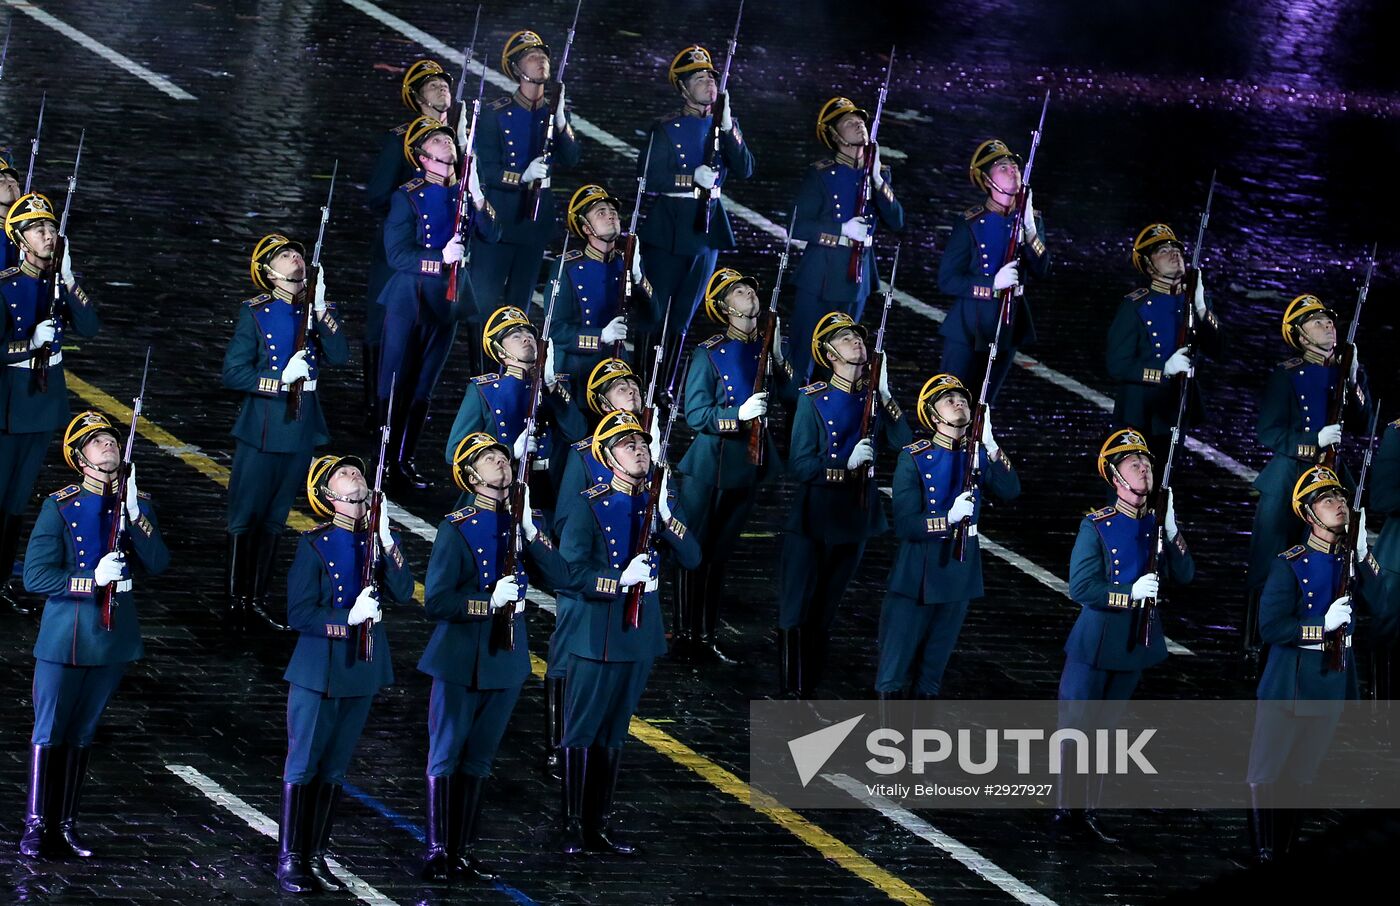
{"x":632,"y":303}
{"x":117,"y":535}
{"x":1334,"y":643}
{"x":374,"y":516}
{"x":865,"y":195}
{"x":1336,"y":408}
{"x":1147,"y":607}
{"x":768,"y":329}
{"x":870,"y":417}
{"x":705,"y":209}
{"x":43,"y":354}
{"x":5,"y":54}
{"x":533,"y":191}
{"x":34,"y":144}
{"x":632,"y":611}
{"x":306,"y":322}
{"x":462,"y":220}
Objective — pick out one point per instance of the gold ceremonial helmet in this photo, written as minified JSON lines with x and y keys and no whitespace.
{"x":318,"y":480}
{"x":502,"y":321}
{"x":616,"y":425}
{"x":718,"y":287}
{"x":831,"y":114}
{"x":604,"y":375}
{"x":1121,"y":443}
{"x":1146,"y":243}
{"x":415,"y":76}
{"x":691,"y":59}
{"x":263,"y":253}
{"x":25,"y":212}
{"x":468,"y":449}
{"x":1311,"y":483}
{"x":988,"y":153}
{"x":934,"y":388}
{"x":418,"y":131}
{"x":831,"y":324}
{"x":80,"y":430}
{"x":516,"y":45}
{"x":1299,"y":311}
{"x":583,"y":201}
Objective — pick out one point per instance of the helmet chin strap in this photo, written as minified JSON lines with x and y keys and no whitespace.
{"x":353,"y":501}
{"x":424,"y":152}
{"x":1118,"y":476}
{"x":298,"y":281}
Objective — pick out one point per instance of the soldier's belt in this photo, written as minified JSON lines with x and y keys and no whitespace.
{"x":539,"y":465}
{"x":54,"y":359}
{"x":86,"y":586}
{"x":1319,"y":646}
{"x":830,"y":240}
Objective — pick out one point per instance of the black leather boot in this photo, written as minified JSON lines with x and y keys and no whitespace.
{"x":683,"y":626}
{"x":789,"y":660}
{"x":604,"y":765}
{"x":264,"y":564}
{"x":10,"y":527}
{"x":414,"y":420}
{"x":1262,"y":823}
{"x":238,"y":580}
{"x":369,"y":382}
{"x":435,"y":867}
{"x":36,"y":818}
{"x":554,"y":726}
{"x":575,"y":772}
{"x":325,"y":798}
{"x":293,"y":875}
{"x":707,"y":603}
{"x":463,"y":843}
{"x":75,"y":766}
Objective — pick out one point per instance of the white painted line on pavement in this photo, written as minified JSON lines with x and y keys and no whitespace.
{"x":268,"y":828}
{"x":970,"y":858}
{"x":159,"y":82}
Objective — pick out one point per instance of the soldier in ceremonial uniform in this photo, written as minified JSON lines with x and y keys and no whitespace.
{"x":426,"y":90}
{"x":608,"y":660}
{"x":720,"y":484}
{"x":974,"y":270}
{"x":498,"y":403}
{"x":679,"y":256}
{"x":1384,"y":491}
{"x":510,"y":147}
{"x":930,"y":587}
{"x":835,"y":510}
{"x":34,"y":317}
{"x":1300,"y":697}
{"x":589,"y":321}
{"x":419,"y":320}
{"x":10,"y":181}
{"x":827,"y":221}
{"x":1146,"y":341}
{"x":1295,"y":422}
{"x":476,"y":680}
{"x":273,"y":447}
{"x":77,"y":662}
{"x":1109,"y":579}
{"x":330,"y":682}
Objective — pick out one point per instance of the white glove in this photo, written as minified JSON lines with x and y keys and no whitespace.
{"x":133,"y":503}
{"x":462,"y":127}
{"x":1199,"y":300}
{"x":615,"y":331}
{"x":109,"y":569}
{"x":537,"y":169}
{"x":706,"y":177}
{"x":1339,"y":614}
{"x":296,"y":369}
{"x":65,"y":269}
{"x":525,"y":442}
{"x":877,"y":179}
{"x":550,"y":376}
{"x":1028,"y":228}
{"x":453,"y":251}
{"x":1363,"y":544}
{"x":652,"y":584}
{"x":726,"y":119}
{"x":1172,"y":528}
{"x":1331,"y":434}
{"x":1007,"y":277}
{"x":857,"y":229}
{"x":655,"y":446}
{"x":884,"y":387}
{"x":366,"y":608}
{"x":637,"y":572}
{"x":756,"y":406}
{"x":989,"y":443}
{"x":527,"y":517}
{"x":43,"y":333}
{"x":1179,"y":362}
{"x":663,"y":503}
{"x":961,"y":508}
{"x":1145,"y":587}
{"x":559,"y":122}
{"x":318,"y":302}
{"x":863,"y":453}
{"x":777,"y":339}
{"x":474,"y":184}
{"x":386,"y":537}
{"x":505,"y":593}
{"x":637,"y":264}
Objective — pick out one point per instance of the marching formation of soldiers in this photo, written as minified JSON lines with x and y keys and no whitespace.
{"x":561,"y":451}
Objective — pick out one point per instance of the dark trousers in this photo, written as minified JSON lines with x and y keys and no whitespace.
{"x":677,"y":283}
{"x":600,"y":698}
{"x":504,"y":273}
{"x":814,"y":577}
{"x":262,"y":488}
{"x":970,"y":366}
{"x":1287,"y":746}
{"x":916,"y":642}
{"x":465,"y":727}
{"x":69,"y":701}
{"x":21,"y":458}
{"x":321,"y":734}
{"x":413,"y":354}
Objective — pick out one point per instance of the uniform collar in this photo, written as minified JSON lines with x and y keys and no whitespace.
{"x":733,"y":334}
{"x":516,"y":372}
{"x":527,"y":104}
{"x":591,"y":252}
{"x":433,"y":179}
{"x":1314,"y":358}
{"x":101,"y":488}
{"x":623,"y":486}
{"x":280,"y":293}
{"x":940,"y":439}
{"x":1318,"y":544}
{"x":340,"y":520}
{"x":1131,"y":512}
{"x":689,"y":109}
{"x":30,"y":270}
{"x":846,"y":386}
{"x":995,"y":208}
{"x":847,"y":160}
{"x":1163,"y":285}
{"x":491,"y":504}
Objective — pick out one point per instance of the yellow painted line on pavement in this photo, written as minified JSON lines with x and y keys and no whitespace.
{"x":662,"y":742}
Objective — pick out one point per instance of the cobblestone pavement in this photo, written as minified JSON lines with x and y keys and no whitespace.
{"x":1294,"y":103}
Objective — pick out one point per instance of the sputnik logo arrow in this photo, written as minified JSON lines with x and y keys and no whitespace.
{"x":810,"y":753}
